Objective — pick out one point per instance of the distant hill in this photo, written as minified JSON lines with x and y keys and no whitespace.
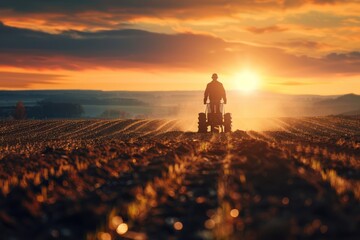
{"x":349,"y":103}
{"x":351,"y":113}
{"x":83,"y":97}
{"x":159,"y":104}
{"x":351,"y":99}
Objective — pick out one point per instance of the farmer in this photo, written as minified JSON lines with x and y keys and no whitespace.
{"x":215,"y":91}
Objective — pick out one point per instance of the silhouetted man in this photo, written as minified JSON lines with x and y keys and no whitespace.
{"x":215,"y":91}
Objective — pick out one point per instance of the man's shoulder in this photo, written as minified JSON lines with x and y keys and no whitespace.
{"x":218,"y":83}
{"x":214,"y":83}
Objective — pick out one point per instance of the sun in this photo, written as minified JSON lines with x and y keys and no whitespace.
{"x":247,"y":81}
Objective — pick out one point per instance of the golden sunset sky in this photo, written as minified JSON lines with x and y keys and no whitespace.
{"x":294,"y":47}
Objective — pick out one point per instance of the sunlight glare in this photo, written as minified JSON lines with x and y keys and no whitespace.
{"x":247,"y":81}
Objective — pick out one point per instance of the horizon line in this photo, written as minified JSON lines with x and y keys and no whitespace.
{"x":149,"y":91}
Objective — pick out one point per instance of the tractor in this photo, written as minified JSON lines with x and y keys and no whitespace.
{"x":218,"y":121}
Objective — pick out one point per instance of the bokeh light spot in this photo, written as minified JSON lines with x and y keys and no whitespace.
{"x":234,"y":213}
{"x":122,"y":228}
{"x":178,"y":226}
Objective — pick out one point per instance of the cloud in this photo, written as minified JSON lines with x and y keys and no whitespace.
{"x":81,"y":5}
{"x":270,"y":29}
{"x":304,"y":44}
{"x":352,"y":56}
{"x":112,"y":49}
{"x":297,"y":3}
{"x":347,"y":63}
{"x":125,"y":6}
{"x":123,"y":49}
{"x":124,"y":10}
{"x":26,"y":80}
{"x":293,"y":83}
{"x":128,"y":9}
{"x":318,"y":19}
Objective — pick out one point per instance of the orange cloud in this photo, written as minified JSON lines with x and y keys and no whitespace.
{"x":293,"y":83}
{"x":110,"y":14}
{"x":76,"y":50}
{"x":261,"y":30}
{"x":17,"y":80}
{"x":123,"y":49}
{"x":303,"y":43}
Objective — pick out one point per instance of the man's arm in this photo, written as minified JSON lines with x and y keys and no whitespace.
{"x":206,"y":94}
{"x":223,"y":94}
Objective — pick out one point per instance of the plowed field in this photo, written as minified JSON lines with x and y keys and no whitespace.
{"x":150,"y":179}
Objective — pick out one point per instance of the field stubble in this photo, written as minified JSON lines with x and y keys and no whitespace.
{"x":148,"y":179}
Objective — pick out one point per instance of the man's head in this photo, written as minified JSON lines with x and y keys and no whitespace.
{"x":214,"y":76}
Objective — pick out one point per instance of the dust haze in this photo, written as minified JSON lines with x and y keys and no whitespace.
{"x":255,"y":111}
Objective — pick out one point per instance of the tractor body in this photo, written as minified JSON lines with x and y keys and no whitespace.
{"x":216,"y":121}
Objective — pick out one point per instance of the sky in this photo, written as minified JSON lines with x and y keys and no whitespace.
{"x":292,"y":47}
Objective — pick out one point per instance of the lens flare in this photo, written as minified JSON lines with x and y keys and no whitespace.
{"x":247,"y":81}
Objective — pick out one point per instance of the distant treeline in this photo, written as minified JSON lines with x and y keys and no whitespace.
{"x":45,"y":110}
{"x":98,"y":101}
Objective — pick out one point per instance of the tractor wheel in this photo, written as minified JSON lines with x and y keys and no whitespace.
{"x":227,"y":122}
{"x":202,"y":126}
{"x":202,"y":117}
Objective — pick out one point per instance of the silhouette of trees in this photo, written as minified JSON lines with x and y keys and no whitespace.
{"x":60,"y":110}
{"x":114,"y":113}
{"x":20,"y":111}
{"x":42,"y":110}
